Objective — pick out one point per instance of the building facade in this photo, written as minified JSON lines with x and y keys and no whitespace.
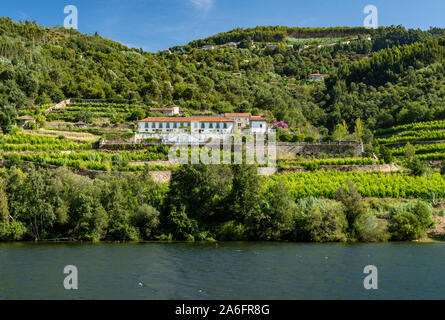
{"x":241,"y":120}
{"x":258,"y":124}
{"x":194,"y":124}
{"x":195,"y":129}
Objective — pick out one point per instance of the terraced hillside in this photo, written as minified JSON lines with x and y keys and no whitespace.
{"x":427,"y":138}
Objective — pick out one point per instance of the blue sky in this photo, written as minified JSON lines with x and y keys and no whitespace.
{"x":159,"y":24}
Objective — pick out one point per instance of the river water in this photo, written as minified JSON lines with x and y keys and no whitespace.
{"x":228,"y":270}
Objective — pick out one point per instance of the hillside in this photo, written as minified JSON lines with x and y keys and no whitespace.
{"x":383,"y":87}
{"x":41,"y":65}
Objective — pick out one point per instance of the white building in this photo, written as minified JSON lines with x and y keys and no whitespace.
{"x":316,"y":76}
{"x":185,"y":129}
{"x":194,"y":124}
{"x":208,"y":47}
{"x":258,"y":124}
{"x":168,"y":111}
{"x":25,"y":120}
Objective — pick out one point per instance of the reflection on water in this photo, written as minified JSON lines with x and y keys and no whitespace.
{"x":229,"y":270}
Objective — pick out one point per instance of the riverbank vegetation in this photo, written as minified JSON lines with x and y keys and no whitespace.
{"x":202,"y":202}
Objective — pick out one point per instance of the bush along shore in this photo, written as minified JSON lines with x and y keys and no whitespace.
{"x":205,"y":203}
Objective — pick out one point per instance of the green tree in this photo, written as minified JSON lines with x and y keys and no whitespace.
{"x":246,"y":193}
{"x":86,"y":115}
{"x":341,"y":131}
{"x":201,"y":190}
{"x":146,"y":219}
{"x":180,"y":225}
{"x":275,"y":220}
{"x":386,"y":154}
{"x":8,"y":115}
{"x":418,"y":167}
{"x":136,"y":114}
{"x":371,"y":229}
{"x":409,"y":152}
{"x":353,"y":203}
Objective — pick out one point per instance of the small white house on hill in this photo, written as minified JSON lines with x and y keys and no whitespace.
{"x":316,"y":76}
{"x":258,"y":124}
{"x":168,"y":111}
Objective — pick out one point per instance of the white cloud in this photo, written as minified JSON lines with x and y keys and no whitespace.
{"x":203,"y":4}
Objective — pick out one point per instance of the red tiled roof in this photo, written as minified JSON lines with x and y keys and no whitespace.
{"x":237,"y":115}
{"x":168,"y":108}
{"x":162,"y":109}
{"x":25,"y":117}
{"x":187,"y":119}
{"x":257,"y":118}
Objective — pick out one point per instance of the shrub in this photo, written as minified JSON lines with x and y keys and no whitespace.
{"x":417,"y":167}
{"x":309,"y":139}
{"x":12,"y":230}
{"x":412,"y":223}
{"x":371,"y":229}
{"x":146,"y":219}
{"x":386,"y":154}
{"x":311,"y":165}
{"x":325,"y":226}
{"x":180,"y":225}
{"x":298,"y":138}
{"x":319,"y":220}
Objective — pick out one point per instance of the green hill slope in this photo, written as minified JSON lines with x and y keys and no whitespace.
{"x":401,"y":84}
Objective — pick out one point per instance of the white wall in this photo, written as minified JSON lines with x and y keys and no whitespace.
{"x":183,"y":137}
{"x":258,"y":126}
{"x":195,"y":126}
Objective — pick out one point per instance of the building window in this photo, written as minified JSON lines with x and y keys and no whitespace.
{"x":167,"y":125}
{"x":175,"y":125}
{"x":225,"y":125}
{"x":210,"y":125}
{"x":217,"y":125}
{"x":261,"y":125}
{"x":203,"y":125}
{"x":146,"y":125}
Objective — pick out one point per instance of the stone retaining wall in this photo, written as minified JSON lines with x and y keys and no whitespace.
{"x":291,"y":148}
{"x":161,"y":176}
{"x":60,"y":105}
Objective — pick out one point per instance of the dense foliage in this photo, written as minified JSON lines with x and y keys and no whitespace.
{"x":203,"y":202}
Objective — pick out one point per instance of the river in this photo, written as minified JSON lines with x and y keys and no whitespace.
{"x":228,"y":270}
